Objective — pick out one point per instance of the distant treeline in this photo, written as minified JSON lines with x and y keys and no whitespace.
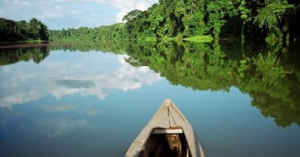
{"x":275,"y":21}
{"x":91,"y":34}
{"x":270,"y":20}
{"x":22,"y":31}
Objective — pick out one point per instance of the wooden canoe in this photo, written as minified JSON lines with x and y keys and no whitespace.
{"x":168,"y":134}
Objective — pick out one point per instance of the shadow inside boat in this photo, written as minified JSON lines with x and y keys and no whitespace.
{"x":168,"y":144}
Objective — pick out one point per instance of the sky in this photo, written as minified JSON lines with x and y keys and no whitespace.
{"x":58,"y":14}
{"x":101,"y":72}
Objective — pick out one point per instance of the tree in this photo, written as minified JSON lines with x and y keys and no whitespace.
{"x":22,"y":30}
{"x":132,"y":15}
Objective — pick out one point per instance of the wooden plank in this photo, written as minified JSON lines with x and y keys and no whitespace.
{"x":167,"y":131}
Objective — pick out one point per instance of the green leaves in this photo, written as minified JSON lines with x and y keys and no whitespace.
{"x":244,"y":11}
{"x":272,"y":15}
{"x":268,"y":20}
{"x":22,"y":31}
{"x":132,"y":15}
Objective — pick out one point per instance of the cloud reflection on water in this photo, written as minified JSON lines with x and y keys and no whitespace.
{"x":25,"y":82}
{"x":60,"y":126}
{"x":59,"y":108}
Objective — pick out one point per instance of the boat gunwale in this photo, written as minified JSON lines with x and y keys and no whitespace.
{"x":193,"y":141}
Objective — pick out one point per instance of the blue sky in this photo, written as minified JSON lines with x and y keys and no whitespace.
{"x":58,"y":14}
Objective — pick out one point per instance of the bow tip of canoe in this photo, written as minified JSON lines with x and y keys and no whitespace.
{"x":168,"y":102}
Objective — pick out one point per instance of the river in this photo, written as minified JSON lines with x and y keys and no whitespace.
{"x":92,"y":99}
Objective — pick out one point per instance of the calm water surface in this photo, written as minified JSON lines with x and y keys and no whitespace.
{"x":74,"y":103}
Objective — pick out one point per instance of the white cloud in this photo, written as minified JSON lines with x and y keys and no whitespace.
{"x":50,"y":15}
{"x":23,"y":78}
{"x":22,"y":86}
{"x":73,"y":13}
{"x":125,"y":6}
{"x":5,"y":69}
{"x":2,"y":12}
{"x":60,"y":126}
{"x":93,"y":112}
{"x":57,"y":12}
{"x":49,"y":2}
{"x":16,"y":98}
{"x":59,"y":108}
{"x":20,"y":3}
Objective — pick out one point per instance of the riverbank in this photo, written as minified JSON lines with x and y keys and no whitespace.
{"x":9,"y":45}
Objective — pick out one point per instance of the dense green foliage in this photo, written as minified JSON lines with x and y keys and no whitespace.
{"x":85,"y":33}
{"x":275,"y":21}
{"x":22,"y":30}
{"x":103,"y":46}
{"x":271,"y":76}
{"x":10,"y":54}
{"x":271,"y":20}
{"x":14,"y":55}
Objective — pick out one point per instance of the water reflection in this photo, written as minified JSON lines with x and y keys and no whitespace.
{"x":271,"y":76}
{"x":10,"y":54}
{"x":57,"y":76}
{"x":60,"y":126}
{"x":99,"y":102}
{"x":59,"y":108}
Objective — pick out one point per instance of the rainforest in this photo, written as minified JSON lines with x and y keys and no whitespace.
{"x":75,"y":89}
{"x":271,"y":21}
{"x":242,"y":43}
{"x":267,"y":20}
{"x":271,"y":78}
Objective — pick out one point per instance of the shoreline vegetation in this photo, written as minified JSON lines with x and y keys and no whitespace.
{"x":271,"y":76}
{"x":23,"y":45}
{"x":199,"y":38}
{"x":22,"y":31}
{"x":273,"y":21}
{"x":23,"y":41}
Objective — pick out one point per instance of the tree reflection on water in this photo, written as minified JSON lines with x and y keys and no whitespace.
{"x":270,"y":75}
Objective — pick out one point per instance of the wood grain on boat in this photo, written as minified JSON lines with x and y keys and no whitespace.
{"x":168,"y":133}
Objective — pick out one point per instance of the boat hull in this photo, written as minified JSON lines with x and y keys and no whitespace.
{"x":168,"y":133}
